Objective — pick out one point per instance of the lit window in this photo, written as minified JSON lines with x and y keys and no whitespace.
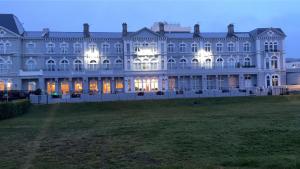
{"x":93,"y":47}
{"x":50,"y":87}
{"x":78,"y":87}
{"x":208,"y":63}
{"x":2,"y":85}
{"x":93,"y":86}
{"x":119,"y":83}
{"x":31,"y":86}
{"x":64,"y":87}
{"x":106,"y":86}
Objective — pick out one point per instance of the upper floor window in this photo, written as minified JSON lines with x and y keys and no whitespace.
{"x":194,"y":47}
{"x":182,"y":47}
{"x":50,"y":47}
{"x":274,"y":62}
{"x":247,"y":62}
{"x":106,"y":64}
{"x":271,"y":46}
{"x":3,"y":66}
{"x":30,"y":45}
{"x":31,"y":64}
{"x":219,"y":47}
{"x":92,"y":65}
{"x":246,"y":47}
{"x":118,"y":48}
{"x":92,"y":47}
{"x":170,"y":47}
{"x":230,"y":47}
{"x":50,"y":65}
{"x":275,"y":80}
{"x":78,"y":65}
{"x":1,"y":47}
{"x":63,"y":48}
{"x":207,"y":47}
{"x":266,"y":46}
{"x":275,"y":46}
{"x":64,"y":65}
{"x":77,"y":48}
{"x":105,"y":47}
{"x":2,"y":32}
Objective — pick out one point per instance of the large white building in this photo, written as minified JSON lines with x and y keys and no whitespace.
{"x":144,"y":60}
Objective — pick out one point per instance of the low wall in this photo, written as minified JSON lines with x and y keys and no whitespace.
{"x":47,"y":99}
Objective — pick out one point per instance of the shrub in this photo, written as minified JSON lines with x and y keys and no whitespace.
{"x":12,"y":109}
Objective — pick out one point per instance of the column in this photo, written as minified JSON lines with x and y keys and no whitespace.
{"x":71,"y":85}
{"x":57,"y":86}
{"x":191,"y":83}
{"x":258,"y":55}
{"x":217,"y":82}
{"x":112,"y":85}
{"x":204,"y":82}
{"x":241,"y":81}
{"x":99,"y":85}
{"x":132,"y":84}
{"x":85,"y":85}
{"x":42,"y":84}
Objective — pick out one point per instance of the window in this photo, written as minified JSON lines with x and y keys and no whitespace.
{"x":219,"y":47}
{"x":50,"y":65}
{"x":195,"y":62}
{"x":137,"y":64}
{"x":119,"y":84}
{"x":170,"y":47}
{"x":267,"y":63}
{"x":183,"y":63}
{"x":51,"y":87}
{"x":77,"y":65}
{"x":78,"y":86}
{"x":2,"y":32}
{"x":268,"y":81}
{"x":105,"y":48}
{"x":64,"y":48}
{"x":92,"y":47}
{"x":92,"y":65}
{"x":194,"y":47}
{"x":208,"y":64}
{"x":275,"y":80}
{"x":1,"y":47}
{"x":275,"y":46}
{"x":266,"y":46}
{"x":31,"y":86}
{"x":274,"y":62}
{"x":154,"y":64}
{"x":64,"y":65}
{"x":182,"y":47}
{"x":171,"y":63}
{"x":64,"y":87}
{"x":3,"y":66}
{"x":231,"y":62}
{"x":247,"y":62}
{"x":2,"y":85}
{"x":93,"y":86}
{"x":106,"y":86}
{"x":119,"y":64}
{"x":50,"y":48}
{"x":220,"y":62}
{"x":207,"y":47}
{"x":31,"y":64}
{"x":30,"y":45}
{"x":246,"y":47}
{"x":77,"y":48}
{"x":106,"y":64}
{"x":118,"y":48}
{"x":230,"y":47}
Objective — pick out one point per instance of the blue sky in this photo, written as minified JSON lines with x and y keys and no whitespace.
{"x":107,"y":15}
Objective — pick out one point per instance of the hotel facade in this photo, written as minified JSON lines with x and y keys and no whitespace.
{"x":166,"y":58}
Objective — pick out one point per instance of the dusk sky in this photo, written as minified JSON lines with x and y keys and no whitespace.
{"x":107,"y":15}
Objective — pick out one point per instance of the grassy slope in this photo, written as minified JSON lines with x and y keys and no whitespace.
{"x":259,"y":132}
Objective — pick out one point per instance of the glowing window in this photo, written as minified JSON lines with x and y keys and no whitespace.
{"x":119,"y":84}
{"x":2,"y":85}
{"x":65,"y":88}
{"x":106,"y":86}
{"x":78,"y":87}
{"x":93,"y":86}
{"x":50,"y":87}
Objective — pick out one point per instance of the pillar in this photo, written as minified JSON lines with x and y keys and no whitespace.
{"x":85,"y":85}
{"x":204,"y":82}
{"x":99,"y":85}
{"x":42,"y":84}
{"x":258,"y":55}
{"x":112,"y":85}
{"x":71,"y":85}
{"x":241,"y":81}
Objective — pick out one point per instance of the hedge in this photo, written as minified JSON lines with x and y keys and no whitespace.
{"x":12,"y":109}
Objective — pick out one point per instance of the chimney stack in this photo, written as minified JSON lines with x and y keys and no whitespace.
{"x":86,"y":30}
{"x":161,"y":28}
{"x":124,"y":29}
{"x":46,"y":32}
{"x":230,"y":30}
{"x":196,"y":30}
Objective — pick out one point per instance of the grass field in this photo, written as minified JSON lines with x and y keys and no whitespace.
{"x":227,"y":133}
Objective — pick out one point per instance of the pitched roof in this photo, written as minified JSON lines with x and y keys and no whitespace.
{"x":55,"y":34}
{"x":258,"y":31}
{"x":12,"y":23}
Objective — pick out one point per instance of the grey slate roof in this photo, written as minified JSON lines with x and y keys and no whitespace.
{"x":55,"y":34}
{"x":11,"y":22}
{"x":205,"y":34}
{"x":258,"y":31}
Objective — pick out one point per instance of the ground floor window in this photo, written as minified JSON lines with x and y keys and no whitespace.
{"x":64,"y":87}
{"x":2,"y":86}
{"x":146,"y":84}
{"x":31,"y":86}
{"x":275,"y":80}
{"x":78,"y":87}
{"x":106,"y":86}
{"x":93,"y":86}
{"x":172,"y":84}
{"x":211,"y":82}
{"x":119,"y":83}
{"x":195,"y":81}
{"x":50,"y":87}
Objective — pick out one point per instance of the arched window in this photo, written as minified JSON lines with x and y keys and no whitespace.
{"x":137,"y":64}
{"x":106,"y":64}
{"x":31,"y":64}
{"x":247,"y":62}
{"x":64,"y":65}
{"x":275,"y":80}
{"x":231,"y":62}
{"x":171,"y":63}
{"x":78,"y":65}
{"x":118,"y":63}
{"x":195,"y":63}
{"x":50,"y":65}
{"x":274,"y":62}
{"x":154,"y":64}
{"x":92,"y":65}
{"x":219,"y":62}
{"x":183,"y":63}
{"x":208,"y":64}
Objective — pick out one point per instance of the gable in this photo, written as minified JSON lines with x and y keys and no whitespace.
{"x":5,"y":33}
{"x":144,"y":33}
{"x":272,"y":33}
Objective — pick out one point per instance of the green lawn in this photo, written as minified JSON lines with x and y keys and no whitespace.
{"x":227,"y":133}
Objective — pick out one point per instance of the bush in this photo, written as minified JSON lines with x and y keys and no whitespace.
{"x":12,"y":109}
{"x":38,"y":92}
{"x":140,"y":93}
{"x":160,"y":93}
